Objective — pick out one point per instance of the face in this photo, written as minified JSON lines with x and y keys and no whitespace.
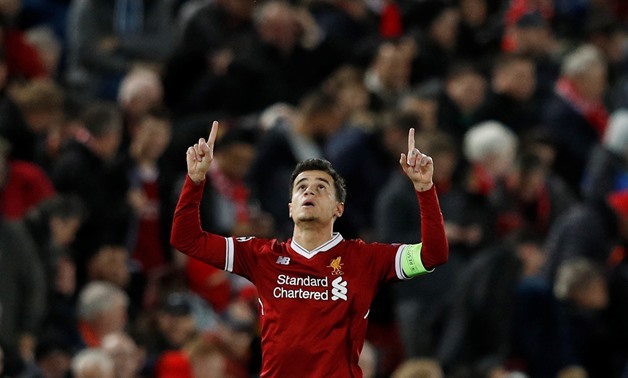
{"x":55,"y":365}
{"x":177,"y":329}
{"x":112,"y":320}
{"x":393,"y":66}
{"x":110,"y":264}
{"x":474,"y":12}
{"x":236,"y":160}
{"x":517,"y":79}
{"x":593,"y":296}
{"x":124,"y":353}
{"x":314,"y":198}
{"x":106,"y":146}
{"x":153,"y":137}
{"x":592,"y":83}
{"x":445,"y":29}
{"x":467,"y":91}
{"x":63,"y":230}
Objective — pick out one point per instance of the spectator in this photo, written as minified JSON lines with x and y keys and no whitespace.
{"x":460,"y":104}
{"x":607,"y":167}
{"x":576,"y":116}
{"x":92,"y":363}
{"x":387,"y":77}
{"x":102,"y":309}
{"x":531,"y":34}
{"x":530,"y":197}
{"x":170,"y":327}
{"x":576,"y":302}
{"x":107,"y":38}
{"x":423,"y":101}
{"x":24,"y":185}
{"x":92,"y":168}
{"x":141,"y":92}
{"x":347,"y":85}
{"x":591,"y":229}
{"x":419,"y":368}
{"x":50,"y":49}
{"x":483,"y":302}
{"x":513,"y":99}
{"x":53,"y":225}
{"x":53,"y":357}
{"x":22,"y":290}
{"x":23,"y":60}
{"x":152,"y":179}
{"x":480,"y":31}
{"x":40,"y":104}
{"x":127,"y":357}
{"x":437,"y":44}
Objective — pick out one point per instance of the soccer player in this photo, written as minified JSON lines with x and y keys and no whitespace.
{"x":316,"y":288}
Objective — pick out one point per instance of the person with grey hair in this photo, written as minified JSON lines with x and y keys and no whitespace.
{"x":101,"y":309}
{"x":607,"y":168}
{"x":92,"y":363}
{"x":491,"y":147}
{"x":576,"y":116}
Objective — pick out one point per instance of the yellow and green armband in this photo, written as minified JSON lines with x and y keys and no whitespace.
{"x":411,"y":261}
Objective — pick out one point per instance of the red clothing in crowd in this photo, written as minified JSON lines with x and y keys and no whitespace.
{"x":26,"y":186}
{"x":23,"y":60}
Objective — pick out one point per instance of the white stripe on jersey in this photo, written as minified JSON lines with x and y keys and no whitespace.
{"x":229,"y":255}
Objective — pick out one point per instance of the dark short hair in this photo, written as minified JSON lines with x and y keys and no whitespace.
{"x":100,"y":118}
{"x":316,"y":164}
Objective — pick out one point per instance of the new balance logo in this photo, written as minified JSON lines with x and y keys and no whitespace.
{"x":283,"y":260}
{"x":339,"y":289}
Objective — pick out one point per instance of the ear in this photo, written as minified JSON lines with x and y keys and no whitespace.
{"x":290,"y":209}
{"x":340,"y":209}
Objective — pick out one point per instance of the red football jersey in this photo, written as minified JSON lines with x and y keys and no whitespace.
{"x":314,"y":305}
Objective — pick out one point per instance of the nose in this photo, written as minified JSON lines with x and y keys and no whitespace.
{"x":308,"y":190}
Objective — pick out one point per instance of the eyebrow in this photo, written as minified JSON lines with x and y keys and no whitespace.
{"x":316,"y":178}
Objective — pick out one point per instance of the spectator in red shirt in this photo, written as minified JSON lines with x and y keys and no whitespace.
{"x":23,"y":185}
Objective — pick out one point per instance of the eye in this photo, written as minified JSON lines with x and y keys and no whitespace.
{"x":301,"y":187}
{"x":321,"y":186}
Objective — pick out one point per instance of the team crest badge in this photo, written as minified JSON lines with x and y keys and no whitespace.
{"x":336,"y":267}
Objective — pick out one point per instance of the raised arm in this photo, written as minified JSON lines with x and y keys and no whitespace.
{"x":187,"y":236}
{"x":434,"y":248}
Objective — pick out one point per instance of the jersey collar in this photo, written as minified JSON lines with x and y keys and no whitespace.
{"x":336,"y":238}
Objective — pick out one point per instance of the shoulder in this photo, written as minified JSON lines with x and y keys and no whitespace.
{"x":361,"y":246}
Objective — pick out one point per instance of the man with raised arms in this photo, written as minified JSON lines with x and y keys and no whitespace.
{"x":316,"y":288}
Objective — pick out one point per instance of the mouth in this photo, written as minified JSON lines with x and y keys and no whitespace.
{"x":308,"y":204}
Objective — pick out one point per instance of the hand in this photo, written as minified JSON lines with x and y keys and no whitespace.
{"x":199,"y":157}
{"x":417,"y":166}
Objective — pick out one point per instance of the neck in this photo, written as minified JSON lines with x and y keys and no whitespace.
{"x":310,"y":236}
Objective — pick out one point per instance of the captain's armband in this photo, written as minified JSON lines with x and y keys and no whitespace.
{"x":411,"y":261}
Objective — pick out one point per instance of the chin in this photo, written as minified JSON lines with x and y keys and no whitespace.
{"x":306,"y":218}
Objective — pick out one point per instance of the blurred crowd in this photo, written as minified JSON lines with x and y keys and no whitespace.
{"x":523,"y":105}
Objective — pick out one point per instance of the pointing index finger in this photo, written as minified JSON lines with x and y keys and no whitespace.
{"x":212,"y":134}
{"x":410,"y":140}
